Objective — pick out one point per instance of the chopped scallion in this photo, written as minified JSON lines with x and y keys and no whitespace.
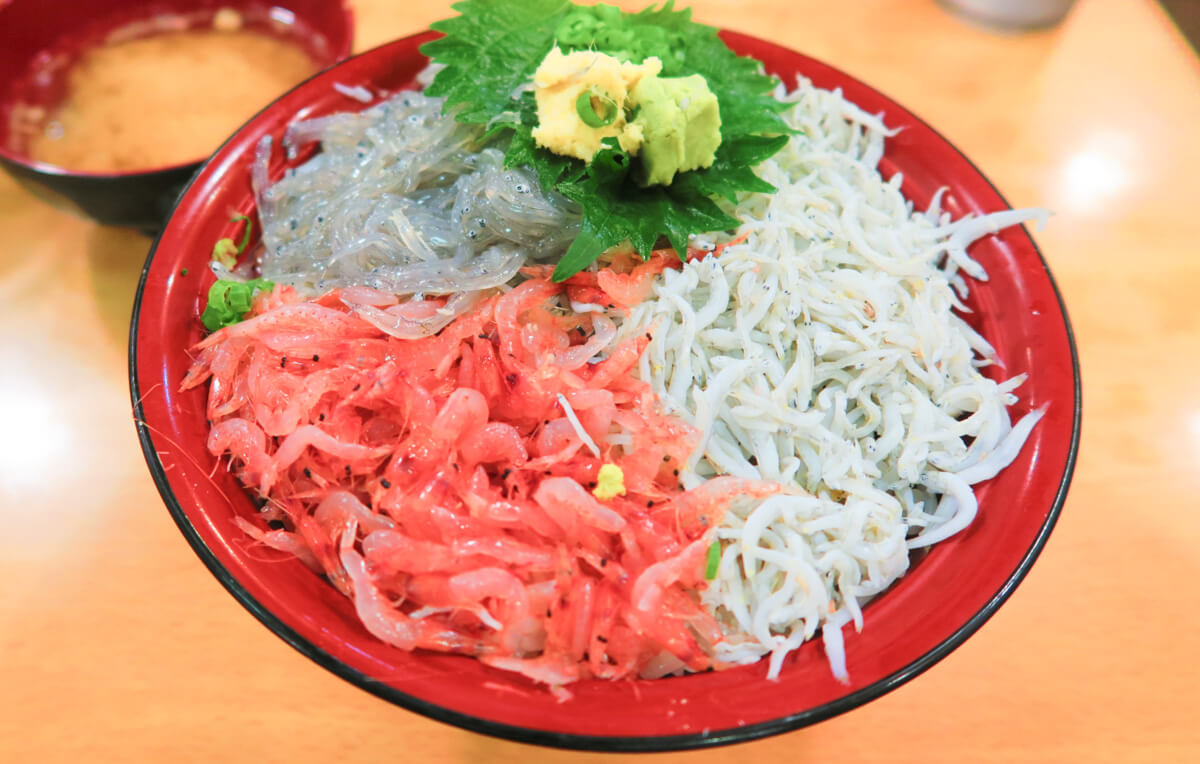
{"x":228,"y":301}
{"x":714,"y":560}
{"x":586,"y":109}
{"x":245,"y":232}
{"x":225,"y":252}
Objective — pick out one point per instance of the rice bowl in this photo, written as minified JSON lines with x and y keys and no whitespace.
{"x":870,"y":673}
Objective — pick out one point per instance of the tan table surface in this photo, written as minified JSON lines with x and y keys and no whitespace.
{"x":117,"y":644}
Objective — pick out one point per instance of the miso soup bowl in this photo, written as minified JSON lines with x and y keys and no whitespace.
{"x":47,"y":36}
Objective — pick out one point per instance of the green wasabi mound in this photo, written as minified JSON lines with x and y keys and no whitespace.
{"x":681,"y":127}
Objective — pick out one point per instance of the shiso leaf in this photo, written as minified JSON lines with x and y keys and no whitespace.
{"x":491,"y":51}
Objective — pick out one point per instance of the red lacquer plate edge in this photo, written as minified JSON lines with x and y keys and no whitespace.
{"x":947,"y":595}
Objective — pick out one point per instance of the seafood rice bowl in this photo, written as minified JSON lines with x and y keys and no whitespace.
{"x":622,"y":365}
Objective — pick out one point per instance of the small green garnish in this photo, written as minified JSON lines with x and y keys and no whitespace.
{"x":225,"y":251}
{"x":245,"y":231}
{"x":228,"y":302}
{"x":586,"y":109}
{"x":623,"y":35}
{"x":714,"y":560}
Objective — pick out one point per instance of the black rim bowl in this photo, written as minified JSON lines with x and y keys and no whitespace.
{"x":142,"y":200}
{"x":613,"y":744}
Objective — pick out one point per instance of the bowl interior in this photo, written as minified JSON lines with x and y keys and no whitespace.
{"x":43,"y":38}
{"x":945,"y":597}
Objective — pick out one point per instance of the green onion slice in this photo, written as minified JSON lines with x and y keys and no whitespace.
{"x":228,"y":302}
{"x":714,"y":559}
{"x":225,"y":252}
{"x":587,"y":111}
{"x":245,"y":233}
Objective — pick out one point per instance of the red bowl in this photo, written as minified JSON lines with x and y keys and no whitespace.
{"x":39,"y":39}
{"x":947,"y":595}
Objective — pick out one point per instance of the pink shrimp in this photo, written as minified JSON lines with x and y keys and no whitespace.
{"x":565,"y":501}
{"x":464,"y":410}
{"x":506,"y":550}
{"x":342,"y":507}
{"x":510,"y":307}
{"x":297,"y":396}
{"x":438,"y":483}
{"x":629,"y":289}
{"x":505,"y":590}
{"x":557,"y":441}
{"x":389,"y":624}
{"x":514,"y":514}
{"x":311,"y":435}
{"x":619,"y":363}
{"x":305,"y":317}
{"x":650,"y":586}
{"x":554,"y":671}
{"x":283,"y":541}
{"x":493,"y":442}
{"x":705,"y":505}
{"x":604,"y":332}
{"x":246,"y":442}
{"x":393,"y":552}
{"x":582,"y":602}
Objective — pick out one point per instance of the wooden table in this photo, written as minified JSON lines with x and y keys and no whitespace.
{"x":117,"y":644}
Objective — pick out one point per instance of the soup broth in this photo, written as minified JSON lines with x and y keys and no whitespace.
{"x":165,"y":99}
